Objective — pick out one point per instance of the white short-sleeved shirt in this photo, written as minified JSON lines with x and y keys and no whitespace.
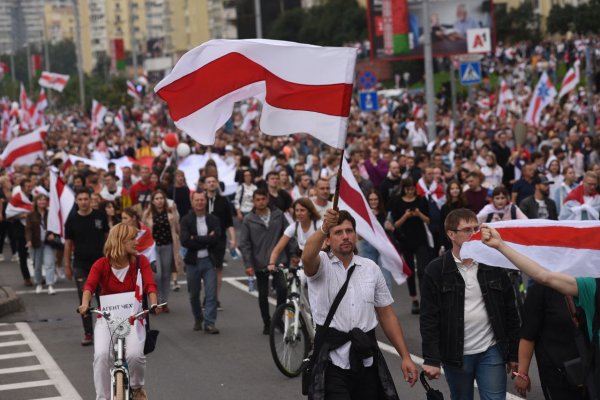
{"x":366,"y":290}
{"x":299,"y":234}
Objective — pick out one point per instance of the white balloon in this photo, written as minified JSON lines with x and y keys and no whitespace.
{"x":183,"y":150}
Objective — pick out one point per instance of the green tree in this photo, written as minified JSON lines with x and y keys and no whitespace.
{"x":517,"y":24}
{"x":332,"y":24}
{"x":63,"y":58}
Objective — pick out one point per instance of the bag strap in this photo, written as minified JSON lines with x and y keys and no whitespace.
{"x":513,"y":211}
{"x":338,"y":298}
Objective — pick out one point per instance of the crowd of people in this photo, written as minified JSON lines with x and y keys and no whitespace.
{"x":282,"y":187}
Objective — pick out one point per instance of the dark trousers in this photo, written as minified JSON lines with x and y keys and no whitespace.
{"x":262,"y":283}
{"x":80,"y":275}
{"x":19,"y":235}
{"x":343,"y":384}
{"x":423,"y":256}
{"x":6,"y":229}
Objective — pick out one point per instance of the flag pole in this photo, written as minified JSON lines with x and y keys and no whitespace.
{"x":336,"y":196}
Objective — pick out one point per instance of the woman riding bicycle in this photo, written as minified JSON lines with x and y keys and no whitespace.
{"x":116,"y":272}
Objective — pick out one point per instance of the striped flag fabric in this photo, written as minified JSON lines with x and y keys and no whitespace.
{"x":98,"y":113}
{"x":570,"y":81}
{"x":251,"y":116}
{"x":139,"y":298}
{"x":120,"y":122}
{"x":62,"y":200}
{"x":303,"y":88}
{"x":132,"y":91}
{"x":145,"y":243}
{"x":543,"y":96}
{"x":18,"y":204}
{"x":52,"y":80}
{"x":38,"y":117}
{"x":367,"y":226}
{"x":571,"y":247}
{"x":504,"y":98}
{"x":7,"y":124}
{"x":25,"y":149}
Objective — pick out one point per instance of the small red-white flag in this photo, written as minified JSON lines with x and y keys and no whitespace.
{"x":571,"y":247}
{"x":120,"y":122}
{"x":98,"y":113}
{"x":139,"y":298}
{"x":7,"y":123}
{"x":18,"y":204}
{"x":504,"y":98}
{"x":132,"y":91}
{"x":570,"y":81}
{"x":62,"y":200}
{"x":251,"y":115}
{"x":25,"y":149}
{"x":27,"y":109}
{"x":367,"y":226}
{"x":38,"y":118}
{"x":52,"y":80}
{"x":305,"y":88}
{"x":145,"y":243}
{"x":543,"y":96}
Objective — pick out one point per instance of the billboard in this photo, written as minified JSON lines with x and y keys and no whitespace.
{"x":396,"y":27}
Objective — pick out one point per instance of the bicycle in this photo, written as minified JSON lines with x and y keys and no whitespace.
{"x":119,"y":330}
{"x":292,"y":330}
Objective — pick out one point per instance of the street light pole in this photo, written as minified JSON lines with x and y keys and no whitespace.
{"x":589,"y":74}
{"x":79,"y":53}
{"x":429,"y":79}
{"x":258,"y":19}
{"x":132,"y":6}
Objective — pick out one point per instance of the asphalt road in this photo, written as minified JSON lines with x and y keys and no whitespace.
{"x":41,"y":356}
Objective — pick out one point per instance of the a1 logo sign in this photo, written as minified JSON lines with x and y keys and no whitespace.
{"x":479,"y":40}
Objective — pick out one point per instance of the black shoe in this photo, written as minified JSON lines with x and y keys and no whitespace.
{"x":219,"y":308}
{"x":198,"y":325}
{"x":415,"y":309}
{"x":211,"y":329}
{"x":266,"y":329}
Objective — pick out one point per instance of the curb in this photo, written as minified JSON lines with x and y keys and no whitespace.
{"x":9,"y":301}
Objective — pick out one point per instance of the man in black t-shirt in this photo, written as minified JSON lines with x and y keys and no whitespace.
{"x":85,"y":234}
{"x":278,"y":198}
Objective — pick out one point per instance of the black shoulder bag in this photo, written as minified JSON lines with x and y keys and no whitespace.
{"x":320,"y":336}
{"x":151,"y":334}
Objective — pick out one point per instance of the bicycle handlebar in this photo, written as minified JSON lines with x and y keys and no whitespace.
{"x":106,"y":314}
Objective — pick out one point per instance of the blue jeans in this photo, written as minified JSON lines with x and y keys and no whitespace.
{"x":43,"y":256}
{"x":203,"y":270}
{"x":487,"y":368}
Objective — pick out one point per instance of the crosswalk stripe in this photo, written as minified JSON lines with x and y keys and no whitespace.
{"x":8,"y":333}
{"x":26,"y":385}
{"x":15,"y":370}
{"x":17,"y":355}
{"x":57,"y":377}
{"x":13,"y":343}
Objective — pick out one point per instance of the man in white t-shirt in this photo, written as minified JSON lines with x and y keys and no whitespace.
{"x":348,"y":358}
{"x":321,"y":200}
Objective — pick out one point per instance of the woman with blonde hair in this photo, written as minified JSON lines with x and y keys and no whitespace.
{"x":114,"y":273}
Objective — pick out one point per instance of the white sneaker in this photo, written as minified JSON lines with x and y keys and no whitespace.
{"x":1,"y":257}
{"x":51,"y":290}
{"x":38,"y":289}
{"x":61,"y":273}
{"x":14,"y":258}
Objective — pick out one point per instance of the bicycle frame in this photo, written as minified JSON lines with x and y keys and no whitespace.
{"x":299,"y":299}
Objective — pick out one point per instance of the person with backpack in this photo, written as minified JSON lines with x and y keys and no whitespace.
{"x":585,"y":295}
{"x":500,"y":209}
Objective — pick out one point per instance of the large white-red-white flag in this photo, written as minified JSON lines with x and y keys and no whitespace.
{"x":305,"y":88}
{"x":570,"y":81}
{"x":62,"y":200}
{"x":25,"y":149}
{"x":543,"y":96}
{"x":367,"y":226}
{"x":52,"y":80}
{"x":571,"y":247}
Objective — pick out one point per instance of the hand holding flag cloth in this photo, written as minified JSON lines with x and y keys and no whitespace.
{"x":571,"y":247}
{"x":305,"y":88}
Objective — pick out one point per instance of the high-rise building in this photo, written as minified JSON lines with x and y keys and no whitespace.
{"x":222,"y":19}
{"x":59,"y":21}
{"x":21,"y":22}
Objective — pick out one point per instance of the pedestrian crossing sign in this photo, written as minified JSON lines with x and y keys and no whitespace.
{"x":368,"y":101}
{"x":470,"y":72}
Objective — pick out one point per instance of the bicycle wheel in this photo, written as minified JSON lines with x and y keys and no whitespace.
{"x":119,"y":388}
{"x":288,"y":349}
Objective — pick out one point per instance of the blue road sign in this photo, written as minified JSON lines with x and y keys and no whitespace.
{"x":368,"y":101}
{"x":367,"y":80}
{"x":470,"y":72}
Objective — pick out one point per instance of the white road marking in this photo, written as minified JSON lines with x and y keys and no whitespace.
{"x":26,"y":385}
{"x":13,"y":343}
{"x":57,"y":377}
{"x":15,"y":370}
{"x":17,"y":355}
{"x":58,"y":290}
{"x":235,"y":282}
{"x":8,"y":333}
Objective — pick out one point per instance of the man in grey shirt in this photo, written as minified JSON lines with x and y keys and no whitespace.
{"x":350,"y":362}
